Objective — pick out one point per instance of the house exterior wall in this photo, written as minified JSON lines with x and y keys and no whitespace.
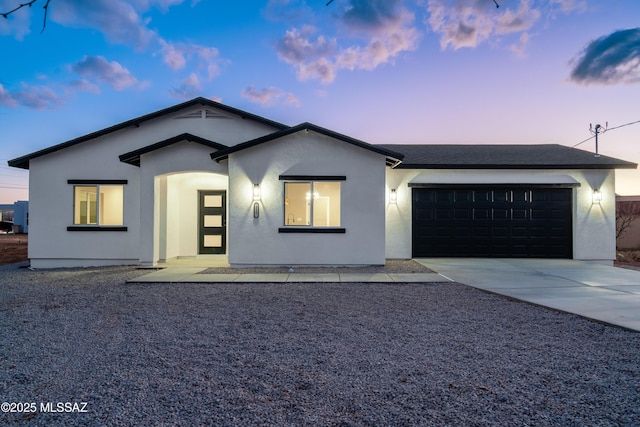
{"x":593,"y":224}
{"x":257,"y":241}
{"x":51,"y":197}
{"x":51,"y":210}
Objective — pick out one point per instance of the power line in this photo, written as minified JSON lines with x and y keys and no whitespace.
{"x":608,"y":129}
{"x":14,"y":187}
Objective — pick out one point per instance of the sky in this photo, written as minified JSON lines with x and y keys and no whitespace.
{"x":382,"y":71}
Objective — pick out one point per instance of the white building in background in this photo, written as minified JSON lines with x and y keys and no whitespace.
{"x":18,"y":214}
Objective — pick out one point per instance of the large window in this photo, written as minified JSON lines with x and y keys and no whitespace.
{"x":98,"y":205}
{"x":312,"y":204}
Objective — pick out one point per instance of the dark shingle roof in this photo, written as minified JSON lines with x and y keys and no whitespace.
{"x":133,"y":157}
{"x":23,"y":162}
{"x":542,"y":156}
{"x":392,"y":156}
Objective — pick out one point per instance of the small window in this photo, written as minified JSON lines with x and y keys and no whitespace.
{"x":98,"y":205}
{"x":312,"y":204}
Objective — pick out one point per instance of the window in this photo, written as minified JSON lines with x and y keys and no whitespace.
{"x":312,"y":204}
{"x":98,"y":205}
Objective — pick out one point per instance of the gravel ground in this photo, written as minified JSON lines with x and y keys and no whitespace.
{"x":302,"y":354}
{"x":391,"y":266}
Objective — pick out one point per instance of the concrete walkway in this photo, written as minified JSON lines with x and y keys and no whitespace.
{"x":192,"y":275}
{"x":607,"y":294}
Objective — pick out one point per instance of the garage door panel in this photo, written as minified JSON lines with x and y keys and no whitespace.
{"x":444,"y":196}
{"x":443,"y":213}
{"x":462,"y":213}
{"x":487,"y":222}
{"x":500,"y":214}
{"x":479,"y":214}
{"x":519,"y":214}
{"x":520,"y":196}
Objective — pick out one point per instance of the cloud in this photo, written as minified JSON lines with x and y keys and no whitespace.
{"x":372,"y":14}
{"x":122,"y":22}
{"x":270,"y":96}
{"x":570,"y":5}
{"x":189,"y":88}
{"x":116,"y":19}
{"x":611,"y":59}
{"x":176,"y":55}
{"x":34,"y":97}
{"x":296,"y":46}
{"x":6,"y":98}
{"x":287,"y":10}
{"x":18,"y":23}
{"x":98,"y":69}
{"x":85,"y":86}
{"x":468,"y":23}
{"x":385,"y":27}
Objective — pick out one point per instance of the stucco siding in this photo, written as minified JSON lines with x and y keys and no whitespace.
{"x":257,"y":241}
{"x":51,"y":212}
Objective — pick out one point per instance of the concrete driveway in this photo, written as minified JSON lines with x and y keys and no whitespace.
{"x":608,"y":294}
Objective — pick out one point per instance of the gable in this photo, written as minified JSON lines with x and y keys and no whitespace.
{"x":392,"y":157}
{"x":204,"y":109}
{"x":133,"y":157}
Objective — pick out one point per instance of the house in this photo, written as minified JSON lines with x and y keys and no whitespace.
{"x":16,"y":214}
{"x":202,"y":179}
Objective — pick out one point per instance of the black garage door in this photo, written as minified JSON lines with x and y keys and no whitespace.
{"x":500,"y":222}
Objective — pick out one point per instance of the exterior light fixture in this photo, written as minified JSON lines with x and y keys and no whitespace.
{"x":597,"y":196}
{"x":256,"y":193}
{"x":393,"y":196}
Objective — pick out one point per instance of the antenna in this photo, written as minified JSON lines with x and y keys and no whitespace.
{"x":598,"y":129}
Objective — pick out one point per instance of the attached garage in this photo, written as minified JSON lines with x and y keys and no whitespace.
{"x":492,"y":221}
{"x":501,"y":201}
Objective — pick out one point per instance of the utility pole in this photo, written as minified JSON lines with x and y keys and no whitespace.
{"x":596,"y":131}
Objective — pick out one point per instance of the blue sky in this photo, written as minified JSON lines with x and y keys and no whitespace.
{"x":384,"y":71}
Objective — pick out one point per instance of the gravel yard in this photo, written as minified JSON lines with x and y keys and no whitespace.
{"x":302,"y":354}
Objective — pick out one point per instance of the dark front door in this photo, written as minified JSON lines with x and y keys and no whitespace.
{"x":499,"y":222}
{"x":212,"y":222}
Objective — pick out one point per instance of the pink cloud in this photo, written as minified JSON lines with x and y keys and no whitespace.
{"x":177,"y":55}
{"x":385,"y":26}
{"x":270,"y":96}
{"x":84,"y":86}
{"x":116,"y":19}
{"x":189,"y":88}
{"x":98,"y":69}
{"x":6,"y":98}
{"x":38,"y":97}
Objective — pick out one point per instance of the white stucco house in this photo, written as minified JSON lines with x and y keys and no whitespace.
{"x":202,"y":179}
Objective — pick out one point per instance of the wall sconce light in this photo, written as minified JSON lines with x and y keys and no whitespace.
{"x":256,"y":193}
{"x":597,"y":196}
{"x":393,"y":196}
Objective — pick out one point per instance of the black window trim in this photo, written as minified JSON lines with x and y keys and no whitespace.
{"x":312,"y":178}
{"x":96,"y":228}
{"x":318,"y":230}
{"x":96,"y":182}
{"x":310,"y":228}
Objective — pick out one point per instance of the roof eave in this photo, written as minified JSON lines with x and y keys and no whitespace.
{"x":133,"y":157}
{"x":515,"y":166}
{"x":23,"y":161}
{"x":393,"y":158}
